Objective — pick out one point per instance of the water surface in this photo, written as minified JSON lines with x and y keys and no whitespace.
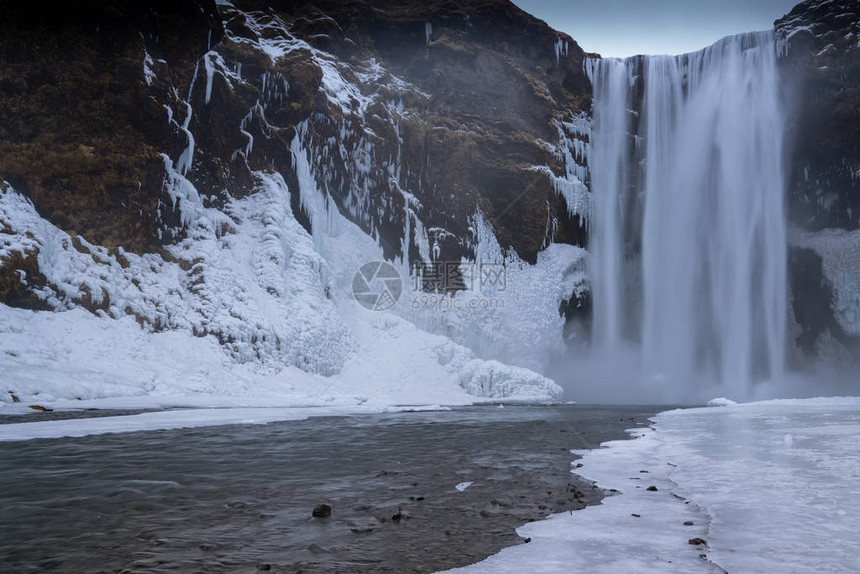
{"x":239,"y":498}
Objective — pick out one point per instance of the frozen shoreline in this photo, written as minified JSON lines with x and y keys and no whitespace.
{"x":94,"y":417}
{"x":180,"y":419}
{"x":794,"y":462}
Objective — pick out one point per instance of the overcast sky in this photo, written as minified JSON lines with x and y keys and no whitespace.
{"x":629,"y":27}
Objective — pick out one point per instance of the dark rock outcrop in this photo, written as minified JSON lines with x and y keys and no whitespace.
{"x":83,"y":125}
{"x":321,"y":511}
{"x":496,"y":84}
{"x":820,"y":49}
{"x":821,"y":45}
{"x":80,"y":128}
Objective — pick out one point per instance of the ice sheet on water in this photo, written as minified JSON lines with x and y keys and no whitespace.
{"x":464,"y":485}
{"x":171,"y":419}
{"x":761,"y":502}
{"x":781,"y":480}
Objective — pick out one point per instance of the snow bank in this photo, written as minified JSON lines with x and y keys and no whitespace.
{"x":256,"y":314}
{"x":259,"y":287}
{"x":513,"y":317}
{"x":721,"y":402}
{"x":167,"y":420}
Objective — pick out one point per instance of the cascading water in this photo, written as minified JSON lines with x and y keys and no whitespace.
{"x":689,"y":238}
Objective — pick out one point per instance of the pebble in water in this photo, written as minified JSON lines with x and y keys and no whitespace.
{"x":322,"y":511}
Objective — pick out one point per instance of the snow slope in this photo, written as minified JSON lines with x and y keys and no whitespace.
{"x":260,"y":316}
{"x":772,"y":486}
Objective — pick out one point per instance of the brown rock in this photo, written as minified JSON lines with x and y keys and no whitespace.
{"x":80,"y":129}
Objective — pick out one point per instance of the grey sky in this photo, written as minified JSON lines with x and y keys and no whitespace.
{"x":629,"y":27}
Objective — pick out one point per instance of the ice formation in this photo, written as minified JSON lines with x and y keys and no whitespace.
{"x":247,"y":303}
{"x":840,"y":256}
{"x":769,"y":487}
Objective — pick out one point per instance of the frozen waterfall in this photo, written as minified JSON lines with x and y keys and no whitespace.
{"x":689,"y":233}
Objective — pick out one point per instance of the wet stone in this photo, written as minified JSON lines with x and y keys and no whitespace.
{"x":321,"y":511}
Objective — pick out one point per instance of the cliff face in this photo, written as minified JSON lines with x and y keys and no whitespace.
{"x":86,"y":94}
{"x":82,"y":123}
{"x":81,"y":127}
{"x":136,"y":129}
{"x":143,"y":142}
{"x":492,"y":83}
{"x":820,"y":43}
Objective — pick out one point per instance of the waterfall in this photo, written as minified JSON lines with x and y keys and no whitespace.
{"x":689,"y":233}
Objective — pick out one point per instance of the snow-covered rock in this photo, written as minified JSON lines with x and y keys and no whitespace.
{"x":213,"y":253}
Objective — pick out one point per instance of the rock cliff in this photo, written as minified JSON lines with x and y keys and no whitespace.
{"x":222,"y":168}
{"x":135,"y":130}
{"x":820,"y":44}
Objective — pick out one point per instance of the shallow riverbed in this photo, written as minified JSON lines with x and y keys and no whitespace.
{"x":238,"y":498}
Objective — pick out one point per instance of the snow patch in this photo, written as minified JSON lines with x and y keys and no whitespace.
{"x":721,"y":402}
{"x":840,"y":256}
